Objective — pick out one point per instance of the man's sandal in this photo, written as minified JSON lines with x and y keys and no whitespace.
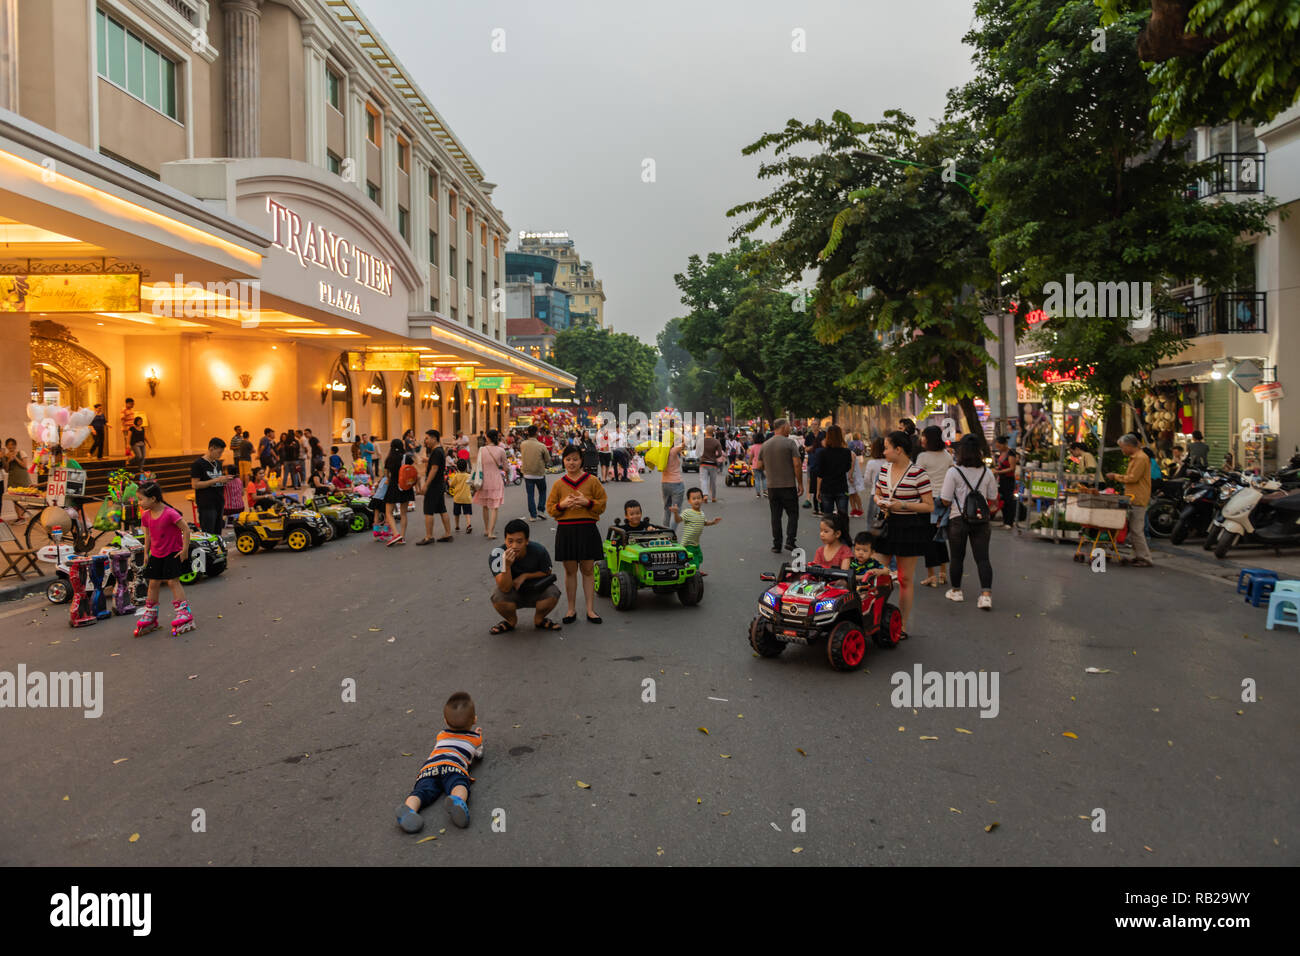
{"x":501,"y":627}
{"x":548,"y":625}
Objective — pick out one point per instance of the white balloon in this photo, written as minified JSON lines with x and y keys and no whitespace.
{"x":35,"y":412}
{"x":34,"y":430}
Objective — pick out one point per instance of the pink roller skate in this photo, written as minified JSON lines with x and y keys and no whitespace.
{"x":382,"y":533}
{"x":184,"y":620}
{"x":148,"y":620}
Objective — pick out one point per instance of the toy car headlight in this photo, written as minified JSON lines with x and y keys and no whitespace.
{"x":645,"y":557}
{"x":768,"y":599}
{"x":824,"y":606}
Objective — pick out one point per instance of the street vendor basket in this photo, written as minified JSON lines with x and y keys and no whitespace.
{"x":1104,"y":521}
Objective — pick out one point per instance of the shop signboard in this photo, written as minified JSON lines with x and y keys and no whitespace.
{"x":542,"y":392}
{"x":1044,"y":489}
{"x":384,"y":361}
{"x":465,"y":373}
{"x":1268,"y":392}
{"x":67,"y":292}
{"x":1246,"y":375}
{"x":1027,"y":394}
{"x":64,"y":482}
{"x":520,"y":388}
{"x":438,"y":375}
{"x":492,"y":381}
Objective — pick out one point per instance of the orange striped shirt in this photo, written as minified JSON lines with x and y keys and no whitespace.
{"x":454,"y":748}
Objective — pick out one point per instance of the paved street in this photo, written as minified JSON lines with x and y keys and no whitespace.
{"x":244,"y":719}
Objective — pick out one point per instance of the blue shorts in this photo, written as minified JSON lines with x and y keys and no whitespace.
{"x":442,"y":780}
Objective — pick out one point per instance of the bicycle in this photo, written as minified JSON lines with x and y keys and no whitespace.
{"x":82,"y":536}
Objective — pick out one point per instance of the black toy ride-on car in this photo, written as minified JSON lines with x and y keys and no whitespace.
{"x":826,"y":603}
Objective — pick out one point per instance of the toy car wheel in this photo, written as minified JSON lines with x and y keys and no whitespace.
{"x":601,"y":578}
{"x":189,"y":575}
{"x":59,"y":592}
{"x":329,"y":532}
{"x":245,"y":542}
{"x":847,"y":646}
{"x":692,"y":592}
{"x":359,"y":523}
{"x":622,"y":591}
{"x":761,"y":639}
{"x":216,"y":570}
{"x":890,"y":631}
{"x":298,"y":539}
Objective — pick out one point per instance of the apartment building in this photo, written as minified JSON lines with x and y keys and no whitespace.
{"x":572,"y":273}
{"x":242,"y":211}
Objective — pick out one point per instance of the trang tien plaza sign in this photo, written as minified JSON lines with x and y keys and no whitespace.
{"x":314,"y":244}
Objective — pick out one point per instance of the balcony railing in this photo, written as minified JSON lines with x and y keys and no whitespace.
{"x":1235,"y":173}
{"x":1225,"y":313}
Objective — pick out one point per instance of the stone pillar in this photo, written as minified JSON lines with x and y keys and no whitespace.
{"x":243,"y":77}
{"x":388,"y":184}
{"x":356,"y":128}
{"x":314,"y":47}
{"x":9,"y":55}
{"x":420,"y":218}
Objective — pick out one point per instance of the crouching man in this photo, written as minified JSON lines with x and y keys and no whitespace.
{"x":522,"y":573}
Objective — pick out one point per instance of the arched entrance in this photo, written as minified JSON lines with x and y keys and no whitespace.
{"x":457,"y":402}
{"x":67,"y":374}
{"x":375,"y":396}
{"x":405,"y":403}
{"x":340,"y":399}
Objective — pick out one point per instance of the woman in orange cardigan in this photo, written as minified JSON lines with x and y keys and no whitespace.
{"x":576,"y":501}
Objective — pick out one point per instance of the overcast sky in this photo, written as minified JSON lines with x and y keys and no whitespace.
{"x":587,"y":89}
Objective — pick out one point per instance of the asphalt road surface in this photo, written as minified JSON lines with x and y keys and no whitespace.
{"x":244,"y":720}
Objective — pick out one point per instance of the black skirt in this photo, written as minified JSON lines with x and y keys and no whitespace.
{"x":906,"y":535}
{"x":578,"y":542}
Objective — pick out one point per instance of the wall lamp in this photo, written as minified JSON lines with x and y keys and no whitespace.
{"x":152,"y":381}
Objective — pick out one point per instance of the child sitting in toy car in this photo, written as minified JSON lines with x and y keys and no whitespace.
{"x":834,"y":535}
{"x":634,"y":521}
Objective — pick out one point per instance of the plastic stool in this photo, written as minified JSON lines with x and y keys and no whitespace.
{"x":1284,"y":605}
{"x":1247,"y":577}
{"x":1261,"y":586}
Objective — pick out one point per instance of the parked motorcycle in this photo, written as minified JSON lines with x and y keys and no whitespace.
{"x":1201,"y":504}
{"x":1249,"y":508}
{"x":1167,"y":502}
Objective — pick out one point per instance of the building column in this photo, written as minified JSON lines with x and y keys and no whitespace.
{"x":9,"y":55}
{"x":388,"y":182}
{"x":420,"y":219}
{"x":356,"y":127}
{"x":243,"y":20}
{"x":314,"y":48}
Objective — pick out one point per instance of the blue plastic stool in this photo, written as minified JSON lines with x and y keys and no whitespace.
{"x":1284,"y":605}
{"x":1246,"y":579}
{"x":1259,"y":587}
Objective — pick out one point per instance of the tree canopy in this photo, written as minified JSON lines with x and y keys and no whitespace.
{"x":612,"y":367}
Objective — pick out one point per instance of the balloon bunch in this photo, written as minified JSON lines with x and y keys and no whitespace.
{"x":556,"y":419}
{"x":56,"y":425}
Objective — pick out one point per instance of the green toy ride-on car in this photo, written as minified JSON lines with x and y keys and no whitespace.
{"x":645,"y":559}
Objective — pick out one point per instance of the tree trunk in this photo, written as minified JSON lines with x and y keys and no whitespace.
{"x":1114,"y":413}
{"x":764,"y":400}
{"x":973,"y":424}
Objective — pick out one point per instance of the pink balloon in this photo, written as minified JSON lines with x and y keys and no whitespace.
{"x":61,"y":416}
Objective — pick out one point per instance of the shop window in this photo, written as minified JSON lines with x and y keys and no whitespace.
{"x":333,"y":89}
{"x":451,"y":203}
{"x":339,"y":388}
{"x":372,"y":124}
{"x":373,"y":192}
{"x":482,"y":235}
{"x":496,"y":246}
{"x":454,"y":316}
{"x":405,"y":403}
{"x":451,"y":261}
{"x":433,"y":186}
{"x":403,"y":223}
{"x":131,"y":63}
{"x":433,"y":303}
{"x":433,"y":248}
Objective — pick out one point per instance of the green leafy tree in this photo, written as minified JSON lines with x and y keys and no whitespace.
{"x":734,"y":299}
{"x":612,"y":367}
{"x":896,"y":247}
{"x":1214,"y":60}
{"x":809,"y":378}
{"x":1077,"y":184}
{"x":693,"y":386}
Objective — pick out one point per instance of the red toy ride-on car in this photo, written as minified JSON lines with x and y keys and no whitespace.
{"x":806,"y":606}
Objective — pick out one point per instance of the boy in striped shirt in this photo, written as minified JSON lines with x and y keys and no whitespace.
{"x":447,"y":769}
{"x":693,"y":525}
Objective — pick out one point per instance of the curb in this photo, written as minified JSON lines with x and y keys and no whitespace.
{"x":15,"y":592}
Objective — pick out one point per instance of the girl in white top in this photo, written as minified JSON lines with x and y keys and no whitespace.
{"x":970,"y":473}
{"x":936,"y":461}
{"x":874,"y":461}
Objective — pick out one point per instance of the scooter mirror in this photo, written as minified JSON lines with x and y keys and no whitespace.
{"x":767,"y":576}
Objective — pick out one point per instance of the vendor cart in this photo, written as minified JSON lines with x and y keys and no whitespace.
{"x":1104,"y":521}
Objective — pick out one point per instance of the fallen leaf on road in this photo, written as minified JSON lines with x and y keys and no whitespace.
{"x":961,"y":730}
{"x":954,"y":810}
{"x":412,"y":710}
{"x":1147,"y":848}
{"x":375,"y":629}
{"x":1240,"y":712}
{"x":992,"y":826}
{"x":427,"y":839}
{"x":775,"y":827}
{"x":1096,"y":670}
{"x":121,"y":760}
{"x":1155,"y":710}
{"x":513,"y":725}
{"x":275,"y":619}
{"x":703,"y":730}
{"x":404,"y":754}
{"x":1170,"y":742}
{"x":698,"y":801}
{"x":1084,"y":816}
{"x":584,"y":786}
{"x":901,"y":729}
{"x":1071,"y":734}
{"x":659,"y":851}
{"x":728,"y":756}
{"x":1017,"y":615}
{"x":132,"y":838}
{"x":990,"y":801}
{"x":800,"y":749}
{"x":114,"y":655}
{"x":724,"y":813}
{"x":65,"y":798}
{"x":741,"y":716}
{"x":218,"y":617}
{"x":391,"y":640}
{"x":923,"y":737}
{"x":245,"y":680}
{"x":235,"y":723}
{"x":52,"y":642}
{"x":443,"y":830}
{"x":192,"y":676}
{"x":797,"y":849}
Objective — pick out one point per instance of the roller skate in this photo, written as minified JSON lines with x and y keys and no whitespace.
{"x":382,"y":533}
{"x":148,"y":620}
{"x":184,"y":620}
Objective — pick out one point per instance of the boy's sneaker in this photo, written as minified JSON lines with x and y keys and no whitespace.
{"x":458,"y":810}
{"x":985,"y":602}
{"x":954,"y":594}
{"x":409,"y":820}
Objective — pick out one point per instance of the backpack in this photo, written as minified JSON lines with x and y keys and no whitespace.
{"x":407,"y":474}
{"x":975,"y":509}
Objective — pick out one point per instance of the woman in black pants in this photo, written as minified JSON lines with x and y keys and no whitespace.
{"x":969,"y":474}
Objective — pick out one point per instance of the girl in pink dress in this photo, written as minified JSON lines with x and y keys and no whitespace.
{"x":492,"y":494}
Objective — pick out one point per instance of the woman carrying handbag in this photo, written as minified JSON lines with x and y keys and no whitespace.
{"x":905,"y":499}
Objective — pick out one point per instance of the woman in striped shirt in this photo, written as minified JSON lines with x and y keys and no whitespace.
{"x":904,"y":493}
